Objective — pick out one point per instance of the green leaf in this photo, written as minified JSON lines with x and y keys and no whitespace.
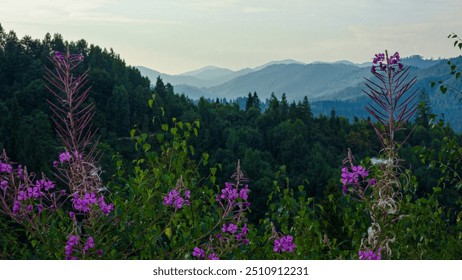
{"x":150,"y":102}
{"x":146,"y":147}
{"x":205,"y":157}
{"x":168,"y":232}
{"x":132,"y":133}
{"x":165,"y":127}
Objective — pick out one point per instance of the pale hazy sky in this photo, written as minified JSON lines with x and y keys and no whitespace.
{"x":175,"y":36}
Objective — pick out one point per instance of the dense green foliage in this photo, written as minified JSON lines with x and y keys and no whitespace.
{"x":150,"y":137}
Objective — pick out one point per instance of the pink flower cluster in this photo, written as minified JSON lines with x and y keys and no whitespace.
{"x":32,"y":192}
{"x":379,"y":63}
{"x":370,"y":255}
{"x":232,"y":229}
{"x":200,"y":254}
{"x":230,"y":194}
{"x":6,"y":168}
{"x":284,"y":244}
{"x":175,"y":200}
{"x":84,"y":203}
{"x":73,"y":242}
{"x":352,"y":177}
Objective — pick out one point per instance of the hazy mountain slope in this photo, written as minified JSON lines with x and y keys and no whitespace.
{"x":296,"y":80}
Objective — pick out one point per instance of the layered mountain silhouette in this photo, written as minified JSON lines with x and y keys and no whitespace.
{"x":337,"y":85}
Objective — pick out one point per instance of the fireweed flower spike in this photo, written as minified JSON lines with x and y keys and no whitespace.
{"x":392,"y":105}
{"x":77,"y":165}
{"x":72,"y":119}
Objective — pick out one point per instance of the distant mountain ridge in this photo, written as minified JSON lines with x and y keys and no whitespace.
{"x":328,"y":85}
{"x":317,"y":80}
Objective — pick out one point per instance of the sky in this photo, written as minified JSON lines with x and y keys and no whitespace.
{"x":176,"y":36}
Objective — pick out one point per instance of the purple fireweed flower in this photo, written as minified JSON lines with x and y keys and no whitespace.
{"x":198,"y":253}
{"x":372,"y":182}
{"x":344,"y":189}
{"x":39,"y":208}
{"x":55,"y":163}
{"x":22,"y":195}
{"x":284,"y":244}
{"x":16,"y":207}
{"x":369,"y":255}
{"x":90,"y":198}
{"x":232,"y":228}
{"x":390,"y":65}
{"x":229,"y":192}
{"x":187,"y":194}
{"x":378,"y":58}
{"x":58,"y":55}
{"x":175,"y":200}
{"x":34,"y":192}
{"x":277,"y":245}
{"x":359,"y":170}
{"x":73,"y":240}
{"x":244,"y":230}
{"x":64,"y":157}
{"x":71,"y":215}
{"x":29,"y":208}
{"x":352,"y":177}
{"x":20,"y":173}
{"x":213,"y":256}
{"x":6,"y":168}
{"x":168,"y":200}
{"x":89,"y":244}
{"x":85,"y":202}
{"x":244,"y":193}
{"x":47,"y":185}
{"x":3,"y":185}
{"x":105,"y":208}
{"x":178,"y":203}
{"x":347,"y":177}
